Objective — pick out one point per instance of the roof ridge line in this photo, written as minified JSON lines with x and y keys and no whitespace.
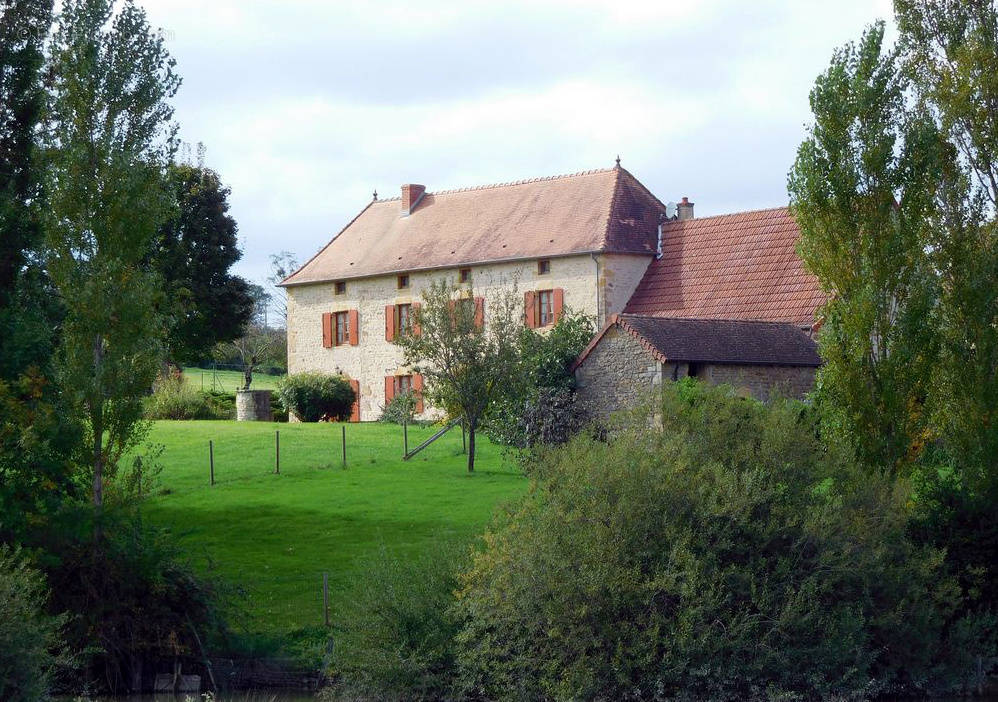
{"x":727,"y":214}
{"x":707,"y":319}
{"x":491,"y":186}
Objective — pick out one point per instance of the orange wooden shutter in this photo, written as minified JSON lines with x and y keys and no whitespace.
{"x":417,"y":386}
{"x":354,"y":330}
{"x":355,"y":408}
{"x":389,"y":322}
{"x":559,"y":303}
{"x":479,"y":312}
{"x":530,"y":308}
{"x":389,"y":388}
{"x":327,"y":330}
{"x":416,"y":329}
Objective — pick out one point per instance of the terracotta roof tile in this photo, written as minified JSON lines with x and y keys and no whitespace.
{"x":737,"y":266}
{"x":606,"y":210}
{"x":716,"y":341}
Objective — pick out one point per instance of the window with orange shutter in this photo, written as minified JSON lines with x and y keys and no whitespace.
{"x":342,"y":328}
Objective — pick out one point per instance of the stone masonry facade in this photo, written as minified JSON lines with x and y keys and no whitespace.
{"x":620,"y":373}
{"x":596,"y":285}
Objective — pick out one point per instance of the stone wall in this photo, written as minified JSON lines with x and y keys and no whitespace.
{"x":762,"y":382}
{"x":620,"y":373}
{"x":619,"y":277}
{"x":374,"y":357}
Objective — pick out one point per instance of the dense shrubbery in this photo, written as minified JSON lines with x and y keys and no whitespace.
{"x":174,"y":399}
{"x":539,"y":404}
{"x":30,"y":641}
{"x":396,"y":640}
{"x":137,"y":604}
{"x":730,"y":556}
{"x":313,"y":397}
{"x":401,"y":409}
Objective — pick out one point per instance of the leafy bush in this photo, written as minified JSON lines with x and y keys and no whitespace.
{"x":401,"y":409}
{"x":729,"y":556}
{"x":30,"y":642}
{"x":397,"y":638}
{"x":316,"y":396}
{"x":538,"y":406}
{"x":137,"y":605}
{"x":174,"y":399}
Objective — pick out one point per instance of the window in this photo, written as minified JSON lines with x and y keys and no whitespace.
{"x":342,"y":320}
{"x":403,"y":383}
{"x":403,"y":315}
{"x":545,"y":308}
{"x":543,"y":266}
{"x":340,"y":288}
{"x":403,"y":281}
{"x":464,"y":275}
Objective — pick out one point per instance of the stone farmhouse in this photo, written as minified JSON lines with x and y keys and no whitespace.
{"x":723,"y":298}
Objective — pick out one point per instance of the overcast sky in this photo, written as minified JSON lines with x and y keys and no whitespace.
{"x":307,"y":106}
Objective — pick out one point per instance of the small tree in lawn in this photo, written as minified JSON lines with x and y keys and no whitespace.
{"x":252,"y":348}
{"x":465,"y":362}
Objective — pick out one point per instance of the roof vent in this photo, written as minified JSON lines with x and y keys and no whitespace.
{"x":411,"y":195}
{"x":685,"y":209}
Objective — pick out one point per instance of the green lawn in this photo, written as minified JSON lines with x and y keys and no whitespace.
{"x":227,"y":380}
{"x":275,"y":535}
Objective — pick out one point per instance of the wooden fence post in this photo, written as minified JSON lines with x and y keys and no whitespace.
{"x":344,"y":428}
{"x":211,"y":460}
{"x":405,"y":438}
{"x":325,"y":595}
{"x":277,"y":451}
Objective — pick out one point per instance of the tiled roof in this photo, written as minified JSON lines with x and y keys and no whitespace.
{"x":737,"y":266}
{"x":595,"y":211}
{"x":716,"y":341}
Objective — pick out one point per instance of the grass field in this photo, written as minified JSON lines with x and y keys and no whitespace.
{"x":227,"y":380}
{"x":275,"y":535}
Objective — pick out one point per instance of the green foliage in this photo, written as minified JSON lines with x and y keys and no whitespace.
{"x":401,"y":410}
{"x":466,"y":365}
{"x":537,"y":405}
{"x":174,"y":399}
{"x":109,"y":141}
{"x":193,"y":253}
{"x":137,"y":603}
{"x":861,"y":191}
{"x":396,"y":641}
{"x":729,"y":555}
{"x":31,"y":646}
{"x":317,"y":396}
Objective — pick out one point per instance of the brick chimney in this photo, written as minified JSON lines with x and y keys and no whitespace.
{"x":685,"y":209}
{"x":411,"y":195}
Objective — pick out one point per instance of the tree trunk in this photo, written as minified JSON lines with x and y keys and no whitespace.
{"x":97,"y":422}
{"x":471,"y":446}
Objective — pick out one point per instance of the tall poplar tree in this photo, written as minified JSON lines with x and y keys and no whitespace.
{"x":862,"y":191}
{"x":111,"y":139}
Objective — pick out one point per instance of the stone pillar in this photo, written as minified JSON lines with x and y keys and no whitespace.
{"x":253,"y":405}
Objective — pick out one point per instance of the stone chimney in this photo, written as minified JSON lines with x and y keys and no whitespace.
{"x":411,"y":195}
{"x":684,"y":209}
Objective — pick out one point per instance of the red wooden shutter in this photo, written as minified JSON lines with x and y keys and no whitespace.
{"x":559,"y":303}
{"x":417,"y":387}
{"x":530,"y":309}
{"x":389,"y":388}
{"x":389,"y":322}
{"x":327,"y":330}
{"x":354,"y":330}
{"x":479,"y":312}
{"x":416,"y":329}
{"x":355,"y":408}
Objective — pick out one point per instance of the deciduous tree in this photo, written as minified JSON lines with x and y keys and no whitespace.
{"x":465,"y":348}
{"x":195,"y":250}
{"x":110,"y":140}
{"x":862,"y":193}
